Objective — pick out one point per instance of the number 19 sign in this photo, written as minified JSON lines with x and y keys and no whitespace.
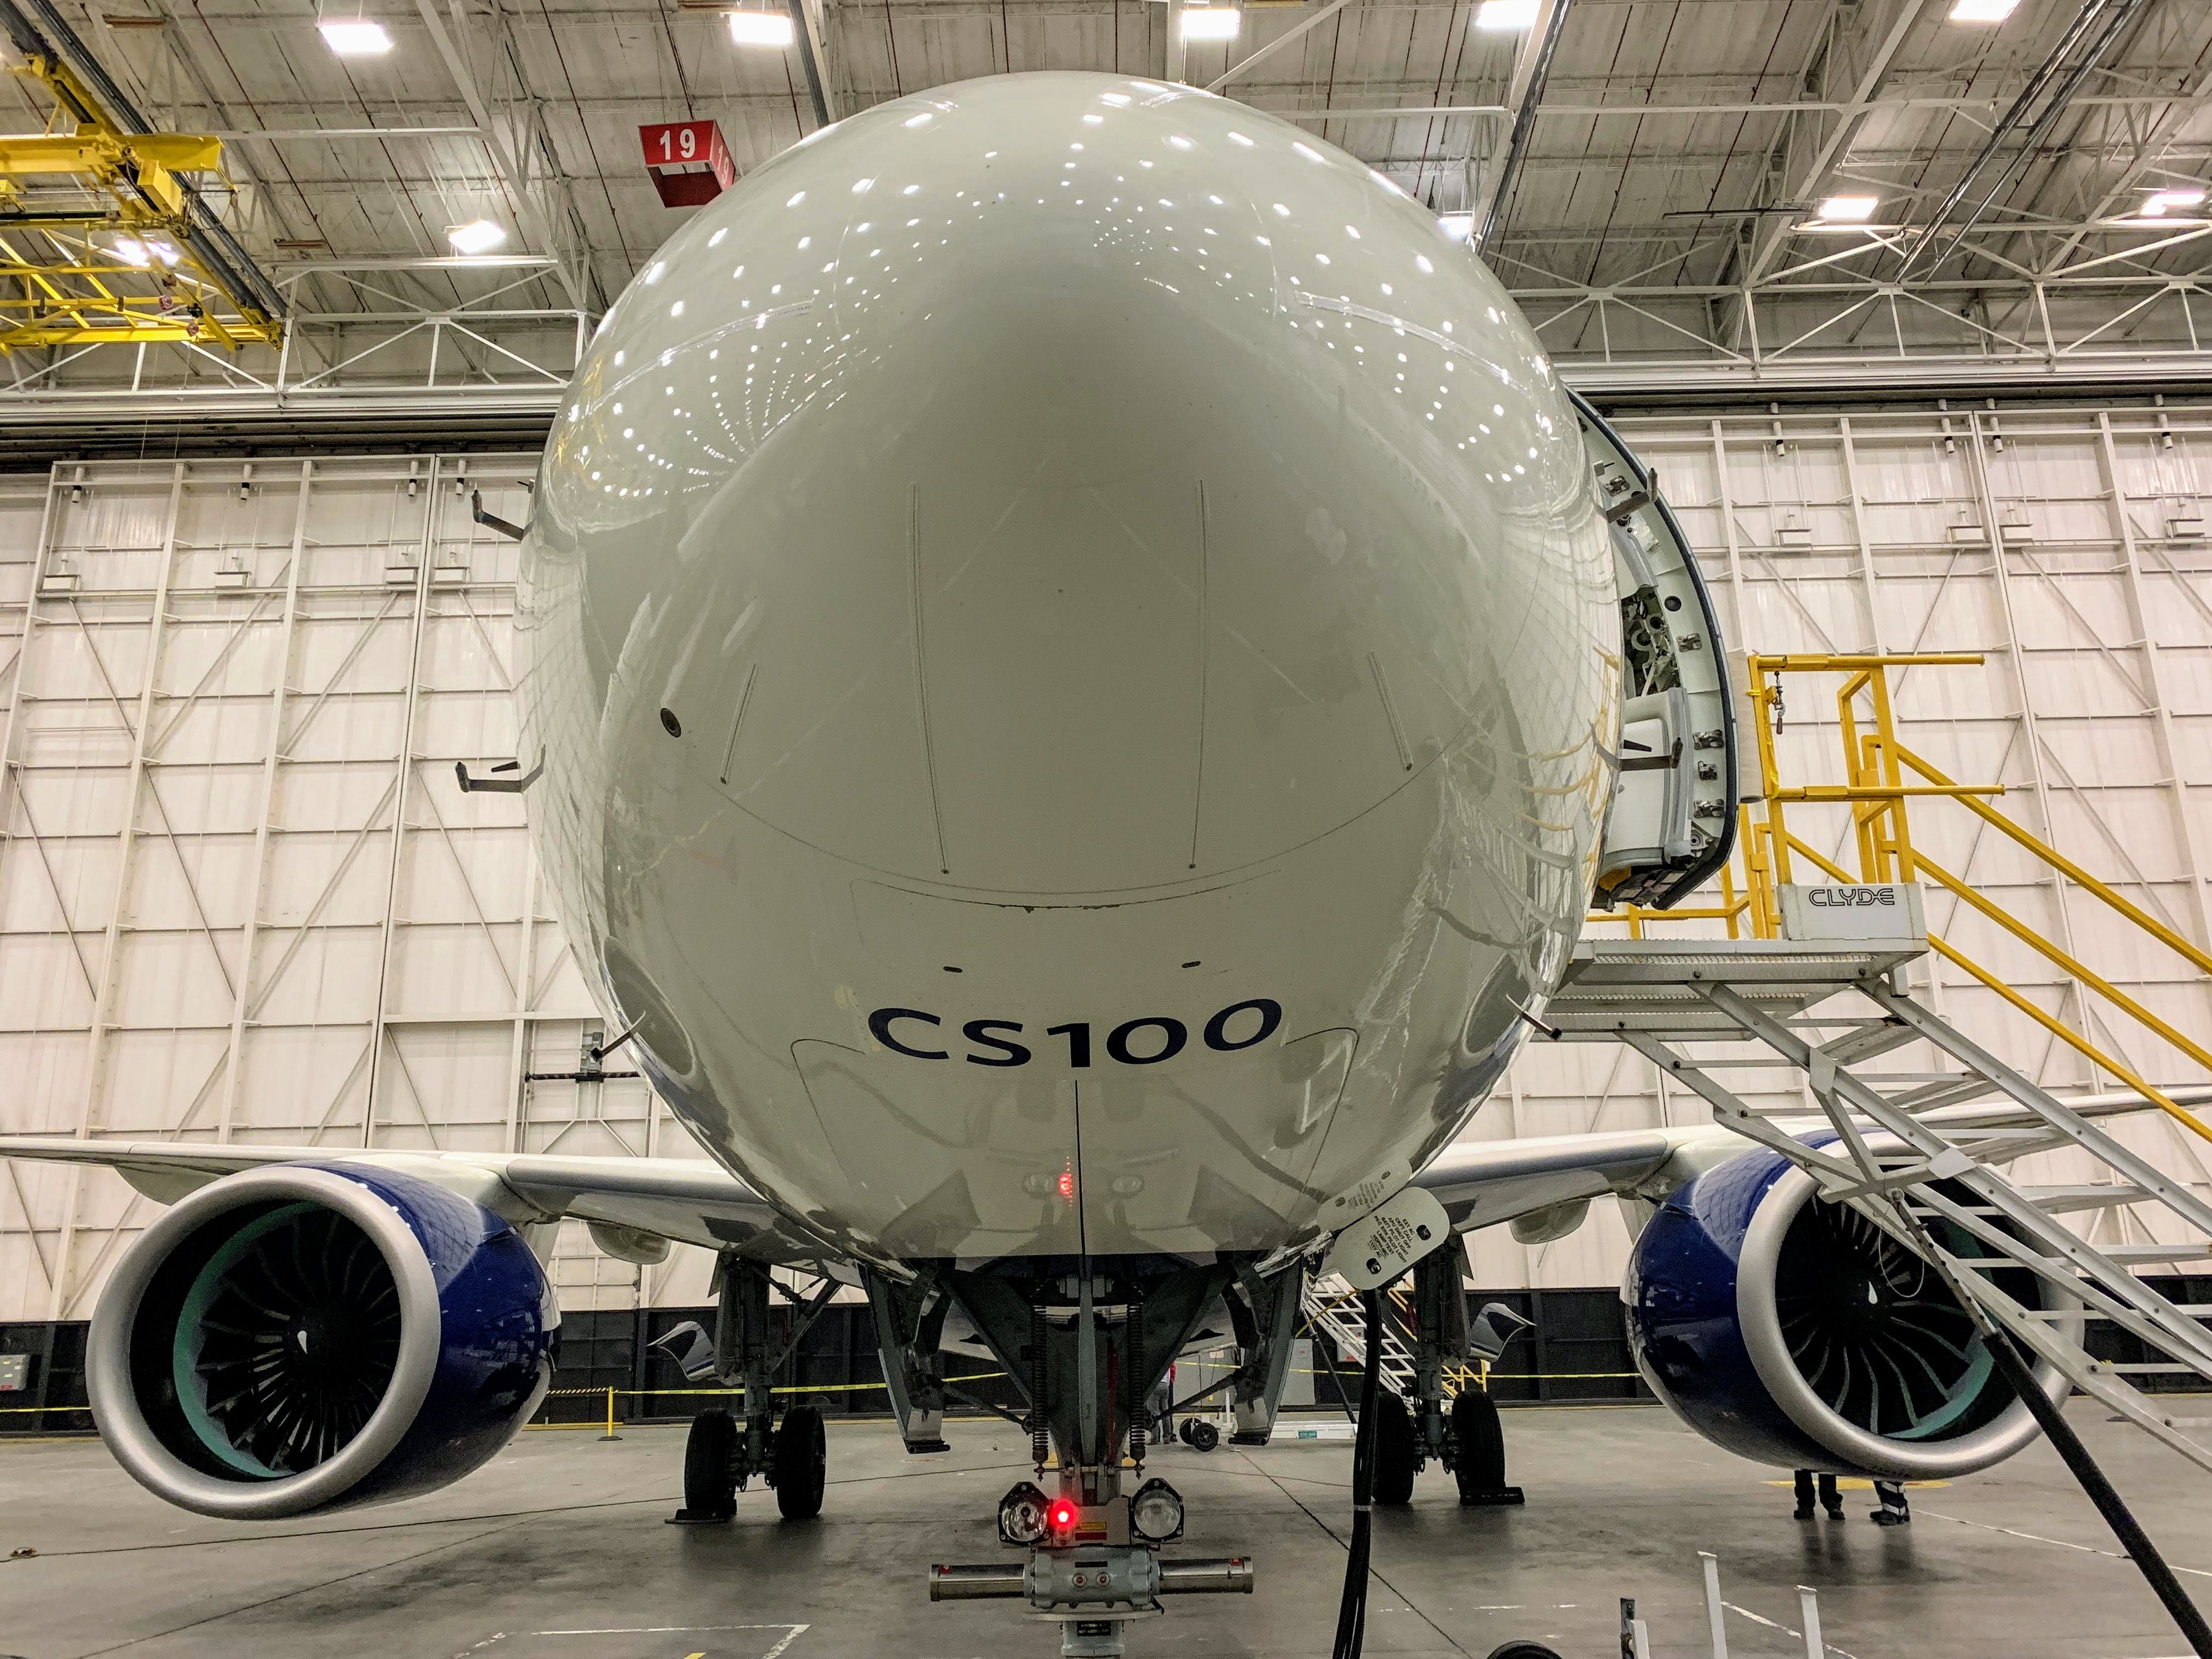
{"x":689,"y":164}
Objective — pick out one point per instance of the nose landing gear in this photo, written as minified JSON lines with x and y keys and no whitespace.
{"x":1092,"y":1570}
{"x":1089,"y":1343}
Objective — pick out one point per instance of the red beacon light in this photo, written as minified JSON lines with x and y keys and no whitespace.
{"x":1063,"y":1515}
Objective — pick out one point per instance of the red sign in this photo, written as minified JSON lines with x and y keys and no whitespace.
{"x":689,"y":164}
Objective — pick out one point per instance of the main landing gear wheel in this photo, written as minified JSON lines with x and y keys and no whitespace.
{"x":1396,"y":1462}
{"x":1198,"y":1434}
{"x":710,"y":1488}
{"x":1478,"y":1454}
{"x":802,"y":1463}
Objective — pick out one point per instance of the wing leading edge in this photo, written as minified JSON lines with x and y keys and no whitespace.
{"x":687,"y":1200}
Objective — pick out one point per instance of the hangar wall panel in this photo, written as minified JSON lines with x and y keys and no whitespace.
{"x":2068,"y":549}
{"x":240,"y":897}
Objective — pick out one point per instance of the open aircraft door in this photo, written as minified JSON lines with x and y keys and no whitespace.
{"x":1672,"y":821}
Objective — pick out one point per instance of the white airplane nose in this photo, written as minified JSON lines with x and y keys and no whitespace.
{"x":1068,"y":630}
{"x":1066,"y":517}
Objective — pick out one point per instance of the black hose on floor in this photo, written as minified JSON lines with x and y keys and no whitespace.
{"x":1352,"y":1612}
{"x":2110,"y":1504}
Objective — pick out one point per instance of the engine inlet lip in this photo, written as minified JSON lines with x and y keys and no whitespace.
{"x":107,"y":1348}
{"x":1760,"y":1320}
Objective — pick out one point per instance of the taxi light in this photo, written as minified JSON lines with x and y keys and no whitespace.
{"x":1024,"y":1514}
{"x":1156,"y":1512}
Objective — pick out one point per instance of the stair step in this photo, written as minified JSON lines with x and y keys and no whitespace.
{"x":2197,"y":1252}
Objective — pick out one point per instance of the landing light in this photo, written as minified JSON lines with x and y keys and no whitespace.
{"x":1156,"y":1512}
{"x":1211,"y":22}
{"x":354,"y":37}
{"x":1023,"y":1514}
{"x":760,"y":29}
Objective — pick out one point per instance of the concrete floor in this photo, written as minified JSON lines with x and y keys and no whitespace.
{"x":556,"y":1550}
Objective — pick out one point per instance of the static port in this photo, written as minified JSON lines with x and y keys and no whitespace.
{"x":669,"y":723}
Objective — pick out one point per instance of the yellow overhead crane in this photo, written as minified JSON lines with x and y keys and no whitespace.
{"x":130,"y":266}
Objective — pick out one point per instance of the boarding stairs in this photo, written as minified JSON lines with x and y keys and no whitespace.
{"x":1922,"y":1155}
{"x":1331,"y":1308}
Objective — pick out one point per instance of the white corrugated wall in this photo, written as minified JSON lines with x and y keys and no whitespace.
{"x":240,"y":897}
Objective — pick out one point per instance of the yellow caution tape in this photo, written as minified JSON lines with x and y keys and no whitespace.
{"x":729,"y":1393}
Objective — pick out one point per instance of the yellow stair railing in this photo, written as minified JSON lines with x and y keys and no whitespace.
{"x":1882,"y":776}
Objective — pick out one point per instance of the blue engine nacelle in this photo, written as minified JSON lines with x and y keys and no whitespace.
{"x":309,"y":1337}
{"x":1797,"y":1332}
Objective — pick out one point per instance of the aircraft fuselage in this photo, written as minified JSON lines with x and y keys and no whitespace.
{"x":1073,"y":647}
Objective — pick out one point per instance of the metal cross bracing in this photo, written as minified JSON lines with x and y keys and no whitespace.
{"x":1661,"y":225}
{"x":242,"y":897}
{"x":1824,"y":533}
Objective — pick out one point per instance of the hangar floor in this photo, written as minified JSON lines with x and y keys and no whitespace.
{"x":557,"y":1551}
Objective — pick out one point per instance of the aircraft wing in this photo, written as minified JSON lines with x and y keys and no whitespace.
{"x":686,"y":1200}
{"x":1482,"y":1182}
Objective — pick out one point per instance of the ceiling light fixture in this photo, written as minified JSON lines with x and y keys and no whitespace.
{"x":1982,"y":11}
{"x":141,"y":255}
{"x":1850,"y":209}
{"x":1503,"y":17}
{"x":478,"y":236}
{"x":354,"y":37}
{"x":760,"y":29}
{"x":2162,"y":202}
{"x":1211,"y":22}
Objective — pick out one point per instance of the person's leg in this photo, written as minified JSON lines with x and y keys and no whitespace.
{"x":1830,"y":1500}
{"x":1804,"y":1495}
{"x":1894,"y":1511}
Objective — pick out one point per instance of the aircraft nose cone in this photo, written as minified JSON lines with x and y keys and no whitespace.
{"x":1073,"y":515}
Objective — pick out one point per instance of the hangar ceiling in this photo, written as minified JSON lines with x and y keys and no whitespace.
{"x":1657,"y":178}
